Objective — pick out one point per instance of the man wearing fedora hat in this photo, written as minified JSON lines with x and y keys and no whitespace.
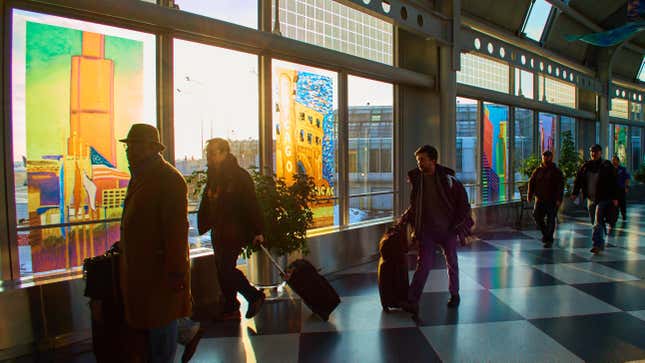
{"x":154,"y":265}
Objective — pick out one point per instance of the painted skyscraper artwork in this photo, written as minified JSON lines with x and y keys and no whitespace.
{"x":304,"y":130}
{"x":495,"y":153}
{"x":82,"y":91}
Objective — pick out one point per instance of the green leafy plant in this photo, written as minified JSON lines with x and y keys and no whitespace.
{"x":569,"y":161}
{"x":285,"y":209}
{"x":528,"y":165}
{"x":639,"y":174}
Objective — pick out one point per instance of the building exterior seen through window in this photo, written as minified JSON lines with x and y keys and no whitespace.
{"x":371,"y":159}
{"x":524,"y":140}
{"x":619,"y":108}
{"x":557,"y":92}
{"x":76,"y":89}
{"x":329,"y":24}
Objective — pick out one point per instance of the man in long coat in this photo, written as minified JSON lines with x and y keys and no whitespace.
{"x":154,"y":265}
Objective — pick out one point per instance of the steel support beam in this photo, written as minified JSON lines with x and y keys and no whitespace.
{"x":506,"y":99}
{"x":408,"y":16}
{"x":144,"y":16}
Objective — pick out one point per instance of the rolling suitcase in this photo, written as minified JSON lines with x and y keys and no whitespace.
{"x":303,"y":278}
{"x":392,"y":269}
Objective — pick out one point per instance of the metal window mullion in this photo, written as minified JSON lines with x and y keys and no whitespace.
{"x":536,"y":132}
{"x":343,"y":149}
{"x":265,"y":124}
{"x":9,"y":264}
{"x":511,"y":154}
{"x":397,"y":162}
{"x":480,"y":149}
{"x":165,"y":94}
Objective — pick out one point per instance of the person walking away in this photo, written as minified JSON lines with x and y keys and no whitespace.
{"x":154,"y":266}
{"x":597,"y":180}
{"x":623,"y":185}
{"x":546,"y":185}
{"x":230,"y":210}
{"x":436,"y":208}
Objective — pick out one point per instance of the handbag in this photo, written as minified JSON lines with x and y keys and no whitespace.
{"x":101,"y":275}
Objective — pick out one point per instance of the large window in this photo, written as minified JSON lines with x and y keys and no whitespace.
{"x":216,"y":95}
{"x":524,"y":141}
{"x":242,"y":12}
{"x":371,"y":177}
{"x":494,"y":158}
{"x":76,"y":89}
{"x":636,"y":111}
{"x":305,"y":132}
{"x":332,"y":25}
{"x":467,"y":146}
{"x":482,"y":72}
{"x":546,"y":131}
{"x":637,"y":147}
{"x":523,"y":83}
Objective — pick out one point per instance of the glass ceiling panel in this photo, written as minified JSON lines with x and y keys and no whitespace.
{"x":536,"y":21}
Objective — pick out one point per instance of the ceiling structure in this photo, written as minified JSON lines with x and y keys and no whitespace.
{"x":579,"y":17}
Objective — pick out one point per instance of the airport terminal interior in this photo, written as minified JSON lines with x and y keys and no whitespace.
{"x":343,"y":91}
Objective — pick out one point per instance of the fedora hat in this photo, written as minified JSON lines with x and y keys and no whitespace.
{"x":143,"y":133}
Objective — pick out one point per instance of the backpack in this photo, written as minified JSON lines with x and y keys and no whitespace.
{"x":464,"y":227}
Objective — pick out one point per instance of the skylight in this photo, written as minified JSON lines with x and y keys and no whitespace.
{"x":641,"y":71}
{"x":535,"y":22}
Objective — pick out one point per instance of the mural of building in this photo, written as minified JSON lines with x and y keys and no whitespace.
{"x":304,"y":131}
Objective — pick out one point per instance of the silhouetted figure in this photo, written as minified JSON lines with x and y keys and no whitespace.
{"x":154,"y":263}
{"x":229,"y":208}
{"x":597,"y":179}
{"x":623,"y":185}
{"x":546,"y":185}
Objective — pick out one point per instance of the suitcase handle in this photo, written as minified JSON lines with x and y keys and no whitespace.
{"x":274,"y":262}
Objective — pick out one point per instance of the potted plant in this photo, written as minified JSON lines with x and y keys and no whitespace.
{"x":287,"y":216}
{"x":527,"y":167}
{"x":639,"y":174}
{"x":569,"y":162}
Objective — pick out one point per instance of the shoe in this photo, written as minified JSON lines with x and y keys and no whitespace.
{"x":191,"y":346}
{"x":595,"y":250}
{"x":454,"y":301}
{"x":548,"y":244}
{"x":409,"y":307}
{"x":255,"y":306}
{"x":229,"y":315}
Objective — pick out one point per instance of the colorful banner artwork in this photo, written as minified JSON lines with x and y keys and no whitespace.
{"x":305,"y":133}
{"x":82,"y":92}
{"x":547,"y":132}
{"x":495,"y":153}
{"x":620,"y":143}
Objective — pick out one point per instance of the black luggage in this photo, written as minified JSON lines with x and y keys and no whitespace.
{"x":101,"y":274}
{"x":303,"y":278}
{"x":393,"y":268}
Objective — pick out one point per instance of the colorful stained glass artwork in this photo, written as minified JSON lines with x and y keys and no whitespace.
{"x":620,"y":142}
{"x":305,"y":132}
{"x":82,"y":91}
{"x":495,"y":153}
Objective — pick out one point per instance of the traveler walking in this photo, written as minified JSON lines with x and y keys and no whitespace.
{"x":597,"y":180}
{"x":546,"y":185}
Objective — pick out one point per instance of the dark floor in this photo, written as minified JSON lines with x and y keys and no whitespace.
{"x":520,"y":303}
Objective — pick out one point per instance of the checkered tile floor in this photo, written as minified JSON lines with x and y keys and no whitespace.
{"x":519,"y":302}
